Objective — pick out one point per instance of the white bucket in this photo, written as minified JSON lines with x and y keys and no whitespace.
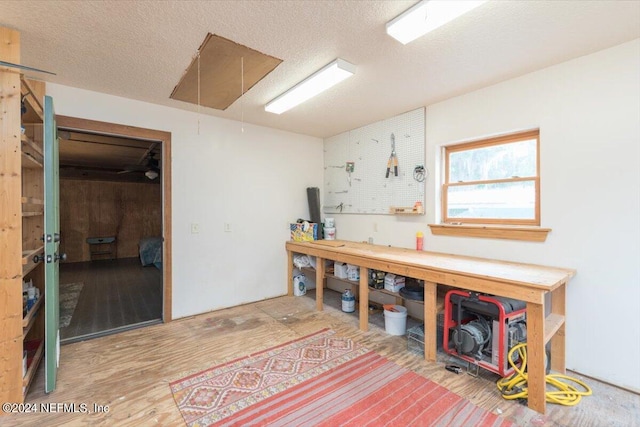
{"x":395,"y":322}
{"x":330,"y":233}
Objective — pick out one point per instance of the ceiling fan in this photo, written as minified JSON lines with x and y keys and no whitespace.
{"x":151,"y":168}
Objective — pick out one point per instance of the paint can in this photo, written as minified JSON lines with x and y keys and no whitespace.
{"x":348,"y":302}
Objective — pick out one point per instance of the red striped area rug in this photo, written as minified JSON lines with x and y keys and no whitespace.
{"x":321,"y":380}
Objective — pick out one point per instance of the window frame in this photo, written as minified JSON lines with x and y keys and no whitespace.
{"x":488,"y":142}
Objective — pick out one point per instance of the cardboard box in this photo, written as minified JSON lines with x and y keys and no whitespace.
{"x":393,"y":287}
{"x":304,"y":232}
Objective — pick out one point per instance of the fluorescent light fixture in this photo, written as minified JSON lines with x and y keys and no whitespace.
{"x":426,"y":16}
{"x":316,"y":83}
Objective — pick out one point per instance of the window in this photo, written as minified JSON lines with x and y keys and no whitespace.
{"x":493,"y":181}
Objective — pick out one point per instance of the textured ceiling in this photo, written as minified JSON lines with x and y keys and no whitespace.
{"x":141,"y":49}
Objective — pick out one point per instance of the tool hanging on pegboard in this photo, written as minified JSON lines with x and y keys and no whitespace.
{"x":393,"y":158}
{"x":350,"y":167}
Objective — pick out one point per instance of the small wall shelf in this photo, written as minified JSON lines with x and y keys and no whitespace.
{"x":404,"y":210}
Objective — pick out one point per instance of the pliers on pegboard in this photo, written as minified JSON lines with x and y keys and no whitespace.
{"x":393,"y":159}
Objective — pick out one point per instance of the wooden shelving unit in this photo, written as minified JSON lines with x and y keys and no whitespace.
{"x":32,"y":201}
{"x":22,"y":216}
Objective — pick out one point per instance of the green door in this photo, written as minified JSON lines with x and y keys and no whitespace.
{"x":51,"y":243}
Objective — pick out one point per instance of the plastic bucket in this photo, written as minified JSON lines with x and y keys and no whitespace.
{"x":395,"y":322}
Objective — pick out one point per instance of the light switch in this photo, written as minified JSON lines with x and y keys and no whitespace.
{"x":227,"y":227}
{"x":195,"y":228}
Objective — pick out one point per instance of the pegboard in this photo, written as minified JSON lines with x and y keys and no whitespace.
{"x":366,"y":190}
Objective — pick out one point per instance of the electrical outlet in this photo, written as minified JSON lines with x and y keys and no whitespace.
{"x":227,"y":227}
{"x":195,"y":228}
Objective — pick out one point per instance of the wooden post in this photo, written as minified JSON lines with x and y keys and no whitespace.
{"x":535,"y":356}
{"x":10,"y":222}
{"x":319,"y":283}
{"x":558,"y":340}
{"x":430,"y":320}
{"x":364,"y":299}
{"x":290,"y":273}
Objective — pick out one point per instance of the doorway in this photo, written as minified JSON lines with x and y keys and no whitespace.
{"x":115,"y":227}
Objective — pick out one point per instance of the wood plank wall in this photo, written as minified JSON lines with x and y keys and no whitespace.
{"x":128,"y":211}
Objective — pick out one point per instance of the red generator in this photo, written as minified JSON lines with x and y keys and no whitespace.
{"x":481,"y":329}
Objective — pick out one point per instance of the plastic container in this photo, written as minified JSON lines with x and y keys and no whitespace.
{"x":299,"y":285}
{"x":31,"y":297}
{"x":395,"y":322}
{"x":329,"y":223}
{"x":353,"y":272}
{"x":419,"y":240}
{"x":329,"y":233}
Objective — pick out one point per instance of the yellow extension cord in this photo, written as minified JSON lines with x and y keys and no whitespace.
{"x":515,"y":386}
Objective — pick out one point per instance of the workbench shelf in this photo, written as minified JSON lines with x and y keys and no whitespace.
{"x":356,"y":283}
{"x":552,"y":323}
{"x":341,"y":279}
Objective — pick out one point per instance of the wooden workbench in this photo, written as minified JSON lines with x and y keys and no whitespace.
{"x":526,"y":282}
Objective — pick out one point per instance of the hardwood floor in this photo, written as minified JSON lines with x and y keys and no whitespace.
{"x":116,"y":294}
{"x":130,"y":372}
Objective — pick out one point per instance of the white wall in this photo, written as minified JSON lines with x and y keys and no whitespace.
{"x":588,"y":112}
{"x":255,"y":180}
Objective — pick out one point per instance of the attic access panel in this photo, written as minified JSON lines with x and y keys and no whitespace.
{"x":220,"y":73}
